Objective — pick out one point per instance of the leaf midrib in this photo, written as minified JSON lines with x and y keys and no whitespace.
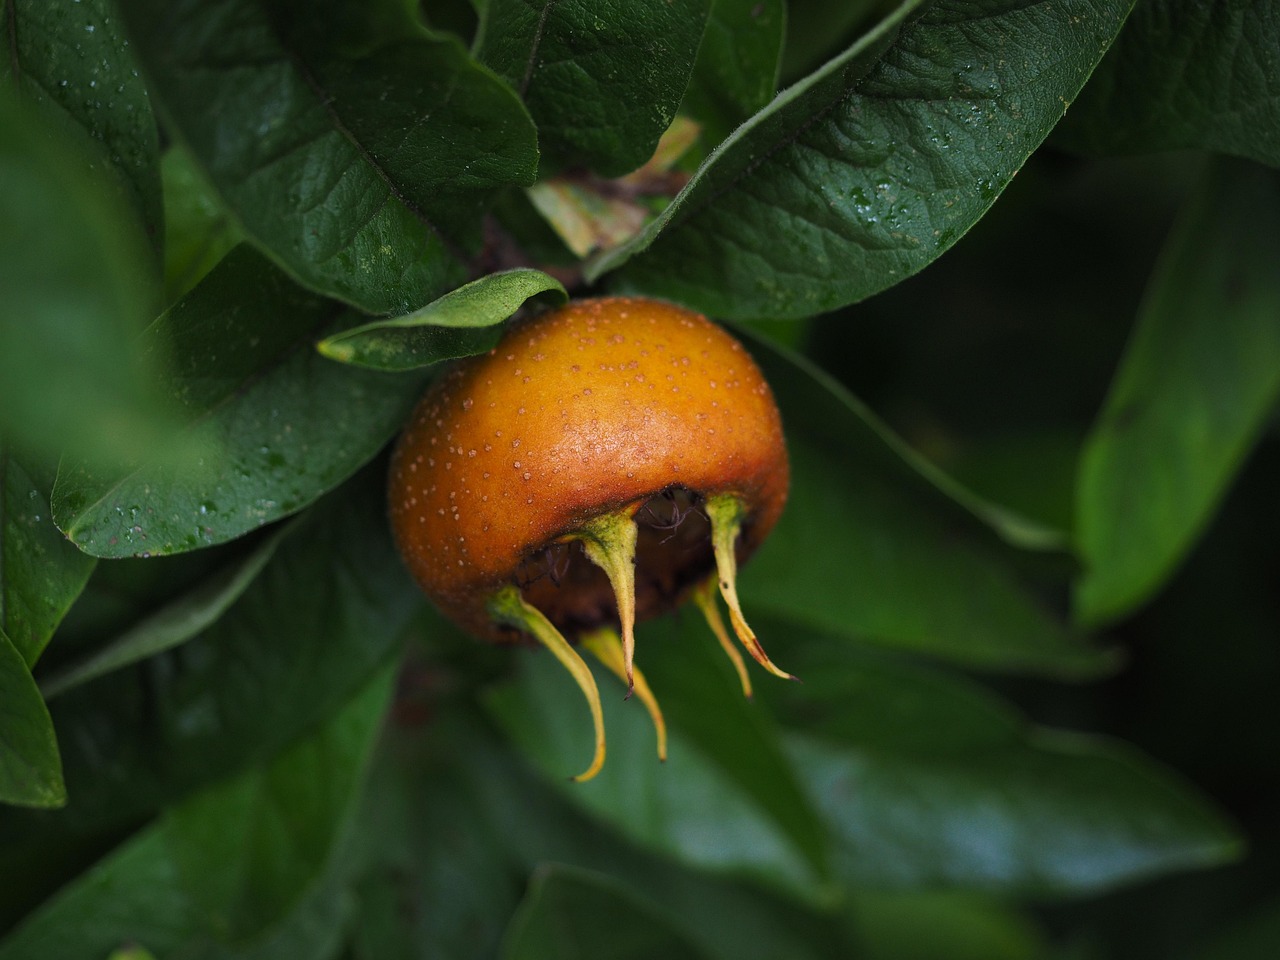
{"x":326,"y":101}
{"x":534,"y":47}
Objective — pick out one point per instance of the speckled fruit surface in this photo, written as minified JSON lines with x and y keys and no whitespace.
{"x":591,"y":409}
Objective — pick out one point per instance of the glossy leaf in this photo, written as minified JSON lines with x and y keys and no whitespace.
{"x":1193,"y":393}
{"x":276,"y":424}
{"x":576,"y":915}
{"x":928,"y":782}
{"x":74,"y":63}
{"x":877,"y":547}
{"x":736,"y":72}
{"x":75,"y":289}
{"x":172,"y":624}
{"x":1186,"y":74}
{"x":30,"y":768}
{"x":689,"y":807}
{"x":323,"y":617}
{"x":459,"y":324}
{"x":873,"y":166}
{"x":40,"y":573}
{"x":250,"y":855}
{"x":602,"y":81}
{"x":359,"y":173}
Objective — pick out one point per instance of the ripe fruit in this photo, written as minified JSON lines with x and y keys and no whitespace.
{"x":604,"y":463}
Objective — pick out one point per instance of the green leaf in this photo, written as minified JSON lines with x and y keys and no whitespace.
{"x":817,"y":31}
{"x":41,"y":574}
{"x":30,"y":768}
{"x":432,"y":876}
{"x":878,"y":547}
{"x":461,"y":323}
{"x":1257,"y":935}
{"x":942,"y":925}
{"x":277,"y":425}
{"x":577,"y":915}
{"x":174,"y":623}
{"x":928,"y":782}
{"x":736,"y":72}
{"x":361,"y":174}
{"x":325,"y":615}
{"x":602,"y":81}
{"x":74,"y":292}
{"x":198,"y":229}
{"x":497,"y":808}
{"x":254,"y":854}
{"x":1186,"y":74}
{"x":249,"y":849}
{"x":691,"y":808}
{"x":1193,"y":393}
{"x":74,"y":63}
{"x":866,"y":171}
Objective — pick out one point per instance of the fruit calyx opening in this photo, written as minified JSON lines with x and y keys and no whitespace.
{"x":589,"y":577}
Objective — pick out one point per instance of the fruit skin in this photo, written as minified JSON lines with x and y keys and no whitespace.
{"x":587,"y":410}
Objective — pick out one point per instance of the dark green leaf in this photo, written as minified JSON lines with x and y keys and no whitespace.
{"x":876,"y":546}
{"x":1186,"y":74}
{"x":503,"y":808}
{"x":250,"y":855}
{"x":702,"y":697}
{"x":361,"y":175}
{"x":198,"y":229}
{"x":927,"y":782}
{"x":137,"y":883}
{"x":277,"y":424}
{"x":41,"y":574}
{"x":172,"y":624}
{"x":1258,"y":935}
{"x":30,"y":769}
{"x":869,"y":169}
{"x":573,"y":914}
{"x":818,"y":30}
{"x":74,"y":292}
{"x":74,"y":63}
{"x":1198,"y":381}
{"x":459,"y":324}
{"x":602,"y":81}
{"x":942,"y":925}
{"x":690,"y":807}
{"x":736,"y":73}
{"x":249,"y":849}
{"x":324,"y":615}
{"x":433,"y":877}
